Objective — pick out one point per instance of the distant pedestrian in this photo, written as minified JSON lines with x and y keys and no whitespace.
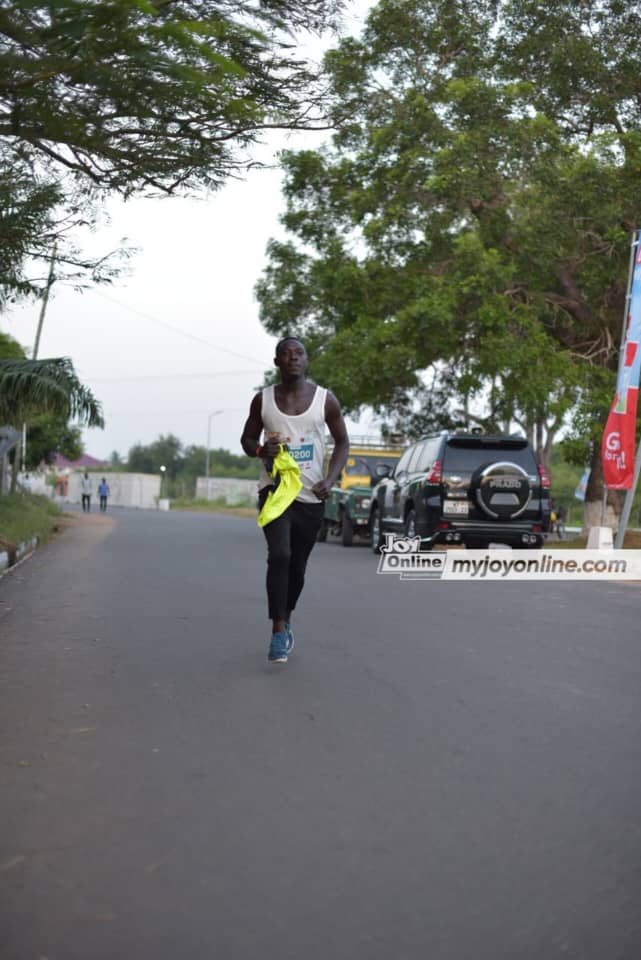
{"x":103,"y":491}
{"x":85,"y":487}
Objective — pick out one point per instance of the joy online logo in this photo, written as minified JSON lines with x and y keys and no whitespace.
{"x":402,"y":556}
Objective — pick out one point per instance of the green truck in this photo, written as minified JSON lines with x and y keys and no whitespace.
{"x":347,"y":509}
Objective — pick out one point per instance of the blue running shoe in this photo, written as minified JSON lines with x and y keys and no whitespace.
{"x":278,"y":648}
{"x":290,"y":638}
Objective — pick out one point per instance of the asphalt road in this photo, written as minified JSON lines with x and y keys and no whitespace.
{"x":444,"y":771}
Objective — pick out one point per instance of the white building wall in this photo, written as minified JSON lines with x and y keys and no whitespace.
{"x":233,"y":491}
{"x":125,"y":489}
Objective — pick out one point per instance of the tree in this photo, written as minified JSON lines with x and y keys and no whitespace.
{"x":32,"y":387}
{"x":185,"y":464}
{"x":48,"y":435}
{"x":28,"y":387}
{"x":166,"y":451}
{"x":130,"y":95}
{"x":472,"y":218}
{"x":126,"y":96}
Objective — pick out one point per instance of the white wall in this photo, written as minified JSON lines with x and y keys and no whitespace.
{"x":233,"y":491}
{"x":125,"y":489}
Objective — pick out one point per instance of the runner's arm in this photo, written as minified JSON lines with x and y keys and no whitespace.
{"x":336,"y":424}
{"x":250,"y":440}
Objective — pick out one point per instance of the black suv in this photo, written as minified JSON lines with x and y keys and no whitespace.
{"x":467,"y":488}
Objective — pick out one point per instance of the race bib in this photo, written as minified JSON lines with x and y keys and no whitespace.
{"x":303,"y":455}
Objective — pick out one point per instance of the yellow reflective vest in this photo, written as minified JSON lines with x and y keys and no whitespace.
{"x":289,"y":486}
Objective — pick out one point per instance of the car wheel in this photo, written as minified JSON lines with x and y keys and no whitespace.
{"x":410,"y":523}
{"x":376,"y":534}
{"x":347,"y":530}
{"x":321,"y":536}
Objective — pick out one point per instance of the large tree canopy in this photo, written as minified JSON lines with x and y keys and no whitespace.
{"x":471,"y":220}
{"x":133,"y":95}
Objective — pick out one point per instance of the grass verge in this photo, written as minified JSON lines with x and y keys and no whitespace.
{"x":25,"y":515}
{"x":631,"y":541}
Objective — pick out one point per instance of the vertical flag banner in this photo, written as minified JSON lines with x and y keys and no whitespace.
{"x":619,"y":438}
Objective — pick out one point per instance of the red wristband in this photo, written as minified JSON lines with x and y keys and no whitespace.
{"x":259,"y":450}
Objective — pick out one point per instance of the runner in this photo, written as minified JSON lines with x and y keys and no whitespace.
{"x":293,"y":413}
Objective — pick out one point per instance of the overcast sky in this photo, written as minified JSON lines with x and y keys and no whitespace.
{"x":178,"y":337}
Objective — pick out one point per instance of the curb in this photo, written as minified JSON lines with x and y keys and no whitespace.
{"x":10,"y":560}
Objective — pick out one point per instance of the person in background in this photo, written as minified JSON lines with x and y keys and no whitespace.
{"x":103,"y":492}
{"x":85,"y":489}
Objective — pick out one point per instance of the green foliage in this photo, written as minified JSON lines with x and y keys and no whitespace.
{"x":28,"y":387}
{"x":129,"y":96}
{"x":565,"y":477}
{"x":31,"y":387}
{"x":165,"y":451}
{"x":10,"y":349}
{"x":23,"y":516}
{"x":48,"y":435}
{"x":464,"y":242}
{"x":185,"y":464}
{"x":222,"y":463}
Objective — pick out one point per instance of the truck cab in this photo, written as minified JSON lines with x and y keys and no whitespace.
{"x":347,"y":509}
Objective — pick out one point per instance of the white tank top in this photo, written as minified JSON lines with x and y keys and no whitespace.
{"x":305,"y":436}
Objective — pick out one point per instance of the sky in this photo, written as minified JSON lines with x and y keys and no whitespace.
{"x":177,"y":338}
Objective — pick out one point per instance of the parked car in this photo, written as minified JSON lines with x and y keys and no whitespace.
{"x":466,"y":488}
{"x":347,"y":509}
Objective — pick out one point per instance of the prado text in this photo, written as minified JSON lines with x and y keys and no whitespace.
{"x":403,"y":557}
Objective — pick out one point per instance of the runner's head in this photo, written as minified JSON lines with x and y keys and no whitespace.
{"x":291,"y":358}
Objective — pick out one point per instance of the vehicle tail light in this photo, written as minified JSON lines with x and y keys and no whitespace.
{"x":544,"y":476}
{"x":536,"y":528}
{"x":436,"y":472}
{"x":443,"y":525}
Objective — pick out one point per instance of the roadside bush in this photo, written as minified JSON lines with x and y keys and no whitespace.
{"x":26,"y":515}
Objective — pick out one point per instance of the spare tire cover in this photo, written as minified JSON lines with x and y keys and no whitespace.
{"x":502,"y":490}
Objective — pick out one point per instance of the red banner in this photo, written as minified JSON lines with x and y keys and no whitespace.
{"x":619,"y":437}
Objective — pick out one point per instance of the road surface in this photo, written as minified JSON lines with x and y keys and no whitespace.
{"x":442,"y":770}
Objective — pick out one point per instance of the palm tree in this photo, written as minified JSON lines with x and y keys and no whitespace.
{"x":28,"y":387}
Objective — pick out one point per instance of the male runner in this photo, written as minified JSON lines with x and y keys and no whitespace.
{"x":294,"y":413}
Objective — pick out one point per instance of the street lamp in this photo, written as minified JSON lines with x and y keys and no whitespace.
{"x":209,"y":419}
{"x":163,"y":468}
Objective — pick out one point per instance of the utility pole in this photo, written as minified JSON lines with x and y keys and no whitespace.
{"x":36,"y":346}
{"x":45,"y":300}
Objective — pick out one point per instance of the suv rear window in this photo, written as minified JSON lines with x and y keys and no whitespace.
{"x":468,"y":454}
{"x":357,"y":466}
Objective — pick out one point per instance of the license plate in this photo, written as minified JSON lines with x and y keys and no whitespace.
{"x":459,"y":507}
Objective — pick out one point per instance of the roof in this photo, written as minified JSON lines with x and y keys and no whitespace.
{"x":84,"y":461}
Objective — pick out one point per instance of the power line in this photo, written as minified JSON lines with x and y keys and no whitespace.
{"x":182,"y":333}
{"x":169,"y":413}
{"x":171,"y":376}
